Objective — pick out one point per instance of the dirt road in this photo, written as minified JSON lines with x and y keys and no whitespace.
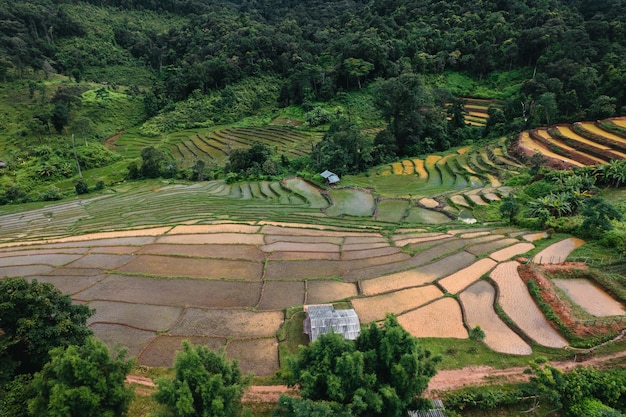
{"x":444,"y":380}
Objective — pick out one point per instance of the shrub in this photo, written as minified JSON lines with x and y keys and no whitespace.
{"x":81,"y":187}
{"x":52,"y":193}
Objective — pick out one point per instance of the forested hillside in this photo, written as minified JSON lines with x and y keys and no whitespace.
{"x":92,"y":68}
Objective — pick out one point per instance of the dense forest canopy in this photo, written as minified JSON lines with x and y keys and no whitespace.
{"x":321,"y":47}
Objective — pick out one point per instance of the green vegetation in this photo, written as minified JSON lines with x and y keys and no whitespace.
{"x":379,"y":374}
{"x":82,"y":380}
{"x":205,"y":384}
{"x":114,"y":100}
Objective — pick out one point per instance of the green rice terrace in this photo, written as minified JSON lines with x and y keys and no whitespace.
{"x":231,"y":265}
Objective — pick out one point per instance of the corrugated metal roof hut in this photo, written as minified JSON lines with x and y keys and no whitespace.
{"x":436,"y":411}
{"x":323,"y":318}
{"x":330,"y":177}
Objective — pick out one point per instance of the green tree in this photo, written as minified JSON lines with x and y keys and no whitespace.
{"x":509,"y":208}
{"x":598,"y":214}
{"x":343,"y":150}
{"x":82,"y":381}
{"x":60,"y":117}
{"x":378,"y":375}
{"x":153,"y":162}
{"x":36,"y":317}
{"x":81,"y":187}
{"x":581,"y":392}
{"x":206,"y":384}
{"x":357,"y":68}
{"x":407,"y":104}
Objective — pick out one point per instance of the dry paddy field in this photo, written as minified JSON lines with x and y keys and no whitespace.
{"x":228,"y":284}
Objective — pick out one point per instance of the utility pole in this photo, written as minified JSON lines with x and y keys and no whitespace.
{"x":80,"y":174}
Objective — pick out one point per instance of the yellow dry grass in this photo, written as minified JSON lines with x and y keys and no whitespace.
{"x":409,"y":168}
{"x":374,"y":308}
{"x":463,"y":278}
{"x":493,"y":180}
{"x":527,"y":142}
{"x":397,"y":168}
{"x":544,"y":134}
{"x":591,"y":127}
{"x":568,"y":132}
{"x":441,"y":318}
{"x":419,"y":168}
{"x":429,"y":202}
{"x":463,"y":150}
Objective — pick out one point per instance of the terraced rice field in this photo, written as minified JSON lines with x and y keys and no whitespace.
{"x":579,"y":144}
{"x":215,"y":146}
{"x":478,"y":301}
{"x":557,"y":252}
{"x":220,"y":280}
{"x":520,"y":307}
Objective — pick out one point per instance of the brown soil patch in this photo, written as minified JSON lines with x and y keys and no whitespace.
{"x":141,"y":316}
{"x":113,"y":235}
{"x":299,"y":256}
{"x":558,"y":252}
{"x":397,"y":281}
{"x":531,"y":237}
{"x":336,"y":240}
{"x":70,"y":284}
{"x":172,"y":266}
{"x":102,"y":261}
{"x":511,"y":251}
{"x":561,"y":308}
{"x":466,"y":276}
{"x":445,"y":266}
{"x":174,"y":292}
{"x":489,"y":247}
{"x":587,"y":295}
{"x":24,"y":270}
{"x":369,"y":253}
{"x":53,"y":259}
{"x":292,"y":229}
{"x":521,"y":308}
{"x":318,"y":292}
{"x":374,"y":308}
{"x":228,"y":323}
{"x":302,"y":270}
{"x":300,"y":247}
{"x":478,"y":303}
{"x":267,"y":394}
{"x":11,"y":252}
{"x":429,"y":203}
{"x":441,"y":318}
{"x":259,"y":356}
{"x":132,"y":339}
{"x":214,"y":238}
{"x":214,"y":228}
{"x":248,"y":252}
{"x":162,"y":350}
{"x":116,"y":250}
{"x":112,"y":140}
{"x":278,"y":295}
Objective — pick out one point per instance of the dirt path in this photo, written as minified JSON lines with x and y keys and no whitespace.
{"x":444,"y":380}
{"x":483,"y":375}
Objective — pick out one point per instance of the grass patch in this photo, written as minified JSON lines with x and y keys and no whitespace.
{"x":459,"y":353}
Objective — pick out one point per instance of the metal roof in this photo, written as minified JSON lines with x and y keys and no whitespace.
{"x":331,"y":177}
{"x":436,"y":411}
{"x":324,"y":318}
